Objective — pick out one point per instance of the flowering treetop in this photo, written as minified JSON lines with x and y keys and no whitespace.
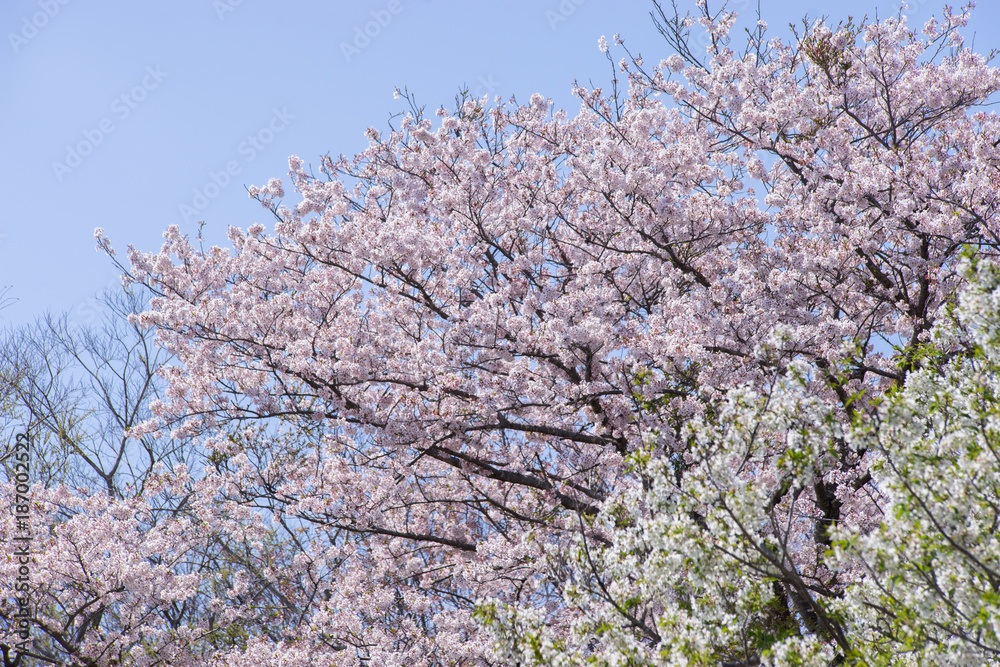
{"x":436,"y":366}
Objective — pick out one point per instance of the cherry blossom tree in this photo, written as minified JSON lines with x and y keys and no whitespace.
{"x":72,"y":392}
{"x":491,"y":341}
{"x":126,"y":563}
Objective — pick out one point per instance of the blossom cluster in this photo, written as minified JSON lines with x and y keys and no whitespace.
{"x":704,"y":566}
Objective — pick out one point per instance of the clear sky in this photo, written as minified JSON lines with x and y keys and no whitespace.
{"x":132,"y":115}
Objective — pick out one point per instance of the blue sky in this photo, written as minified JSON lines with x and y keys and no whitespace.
{"x":133,"y":116}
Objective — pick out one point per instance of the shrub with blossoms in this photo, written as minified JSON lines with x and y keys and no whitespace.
{"x":592,"y":381}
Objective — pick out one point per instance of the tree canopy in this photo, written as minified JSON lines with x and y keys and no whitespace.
{"x":679,"y":379}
